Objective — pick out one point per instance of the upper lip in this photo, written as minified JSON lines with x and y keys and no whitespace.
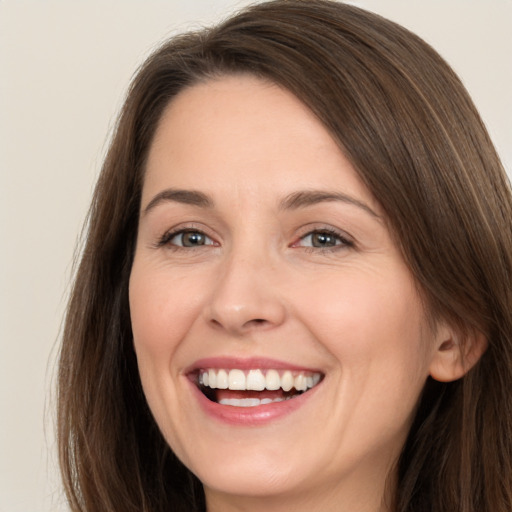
{"x":261,"y":363}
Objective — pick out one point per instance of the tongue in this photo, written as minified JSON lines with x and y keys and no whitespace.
{"x":227,"y":393}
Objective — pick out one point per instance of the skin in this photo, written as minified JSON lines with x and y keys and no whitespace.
{"x":258,"y":288}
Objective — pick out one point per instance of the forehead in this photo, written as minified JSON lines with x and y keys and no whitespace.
{"x":241,"y":134}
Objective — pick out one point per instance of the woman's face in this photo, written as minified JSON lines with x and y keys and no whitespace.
{"x":263,"y":265}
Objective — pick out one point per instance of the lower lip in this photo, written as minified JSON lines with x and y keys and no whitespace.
{"x":250,"y":416}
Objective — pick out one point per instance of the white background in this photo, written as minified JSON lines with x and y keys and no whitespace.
{"x":64,"y":68}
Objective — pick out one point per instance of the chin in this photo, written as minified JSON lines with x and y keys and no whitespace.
{"x":263,"y":478}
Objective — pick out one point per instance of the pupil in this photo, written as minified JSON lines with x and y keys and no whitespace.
{"x":323,"y":240}
{"x":193,"y":238}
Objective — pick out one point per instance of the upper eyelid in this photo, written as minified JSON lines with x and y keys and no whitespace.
{"x":189,"y":226}
{"x":323,"y":228}
{"x":301,"y":232}
{"x":345,"y":240}
{"x":164,"y":238}
{"x":171,"y":233}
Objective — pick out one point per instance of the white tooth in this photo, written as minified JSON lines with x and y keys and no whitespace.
{"x":316,"y":379}
{"x":212,"y":379}
{"x":265,"y":401}
{"x":227,"y":401}
{"x":203,"y":379}
{"x":300,"y":382}
{"x":272,"y":380}
{"x":236,"y":380}
{"x":309,"y":382}
{"x":240,"y":402}
{"x":222,"y":379}
{"x":250,"y":402}
{"x":255,"y":380}
{"x":287,"y":381}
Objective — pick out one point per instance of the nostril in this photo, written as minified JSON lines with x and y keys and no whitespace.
{"x":256,"y":321}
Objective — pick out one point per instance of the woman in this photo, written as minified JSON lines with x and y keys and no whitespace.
{"x":295,"y":290}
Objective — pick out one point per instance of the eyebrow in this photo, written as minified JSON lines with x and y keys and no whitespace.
{"x":306,"y":198}
{"x":191,"y":197}
{"x":294,"y":201}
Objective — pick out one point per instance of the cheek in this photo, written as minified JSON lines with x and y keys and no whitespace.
{"x":152,"y":334}
{"x":374,"y":331}
{"x":162,"y":310}
{"x":373,"y":326}
{"x":361,"y":303}
{"x":162,"y":314}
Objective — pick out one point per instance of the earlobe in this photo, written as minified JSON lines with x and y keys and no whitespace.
{"x":456,"y":354}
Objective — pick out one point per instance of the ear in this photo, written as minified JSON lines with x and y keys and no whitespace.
{"x":455,"y":353}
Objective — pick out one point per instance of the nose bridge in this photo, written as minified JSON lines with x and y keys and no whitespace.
{"x":246,"y":295}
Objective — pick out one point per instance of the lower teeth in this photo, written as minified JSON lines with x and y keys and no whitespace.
{"x":250,"y":402}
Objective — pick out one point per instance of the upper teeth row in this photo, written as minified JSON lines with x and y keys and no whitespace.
{"x":258,"y":380}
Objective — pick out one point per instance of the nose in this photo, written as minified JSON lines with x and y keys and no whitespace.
{"x":246,"y":296}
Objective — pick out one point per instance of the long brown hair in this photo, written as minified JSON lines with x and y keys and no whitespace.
{"x":406,"y":123}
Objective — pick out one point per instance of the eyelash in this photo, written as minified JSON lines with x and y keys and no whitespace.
{"x":168,"y":236}
{"x":344,"y":241}
{"x":164,"y":241}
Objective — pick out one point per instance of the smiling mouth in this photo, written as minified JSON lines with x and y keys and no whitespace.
{"x":251,"y":388}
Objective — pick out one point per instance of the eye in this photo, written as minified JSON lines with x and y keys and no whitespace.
{"x":186,"y":238}
{"x":323,"y":239}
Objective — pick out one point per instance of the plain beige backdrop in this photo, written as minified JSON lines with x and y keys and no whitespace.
{"x":64,"y":68}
